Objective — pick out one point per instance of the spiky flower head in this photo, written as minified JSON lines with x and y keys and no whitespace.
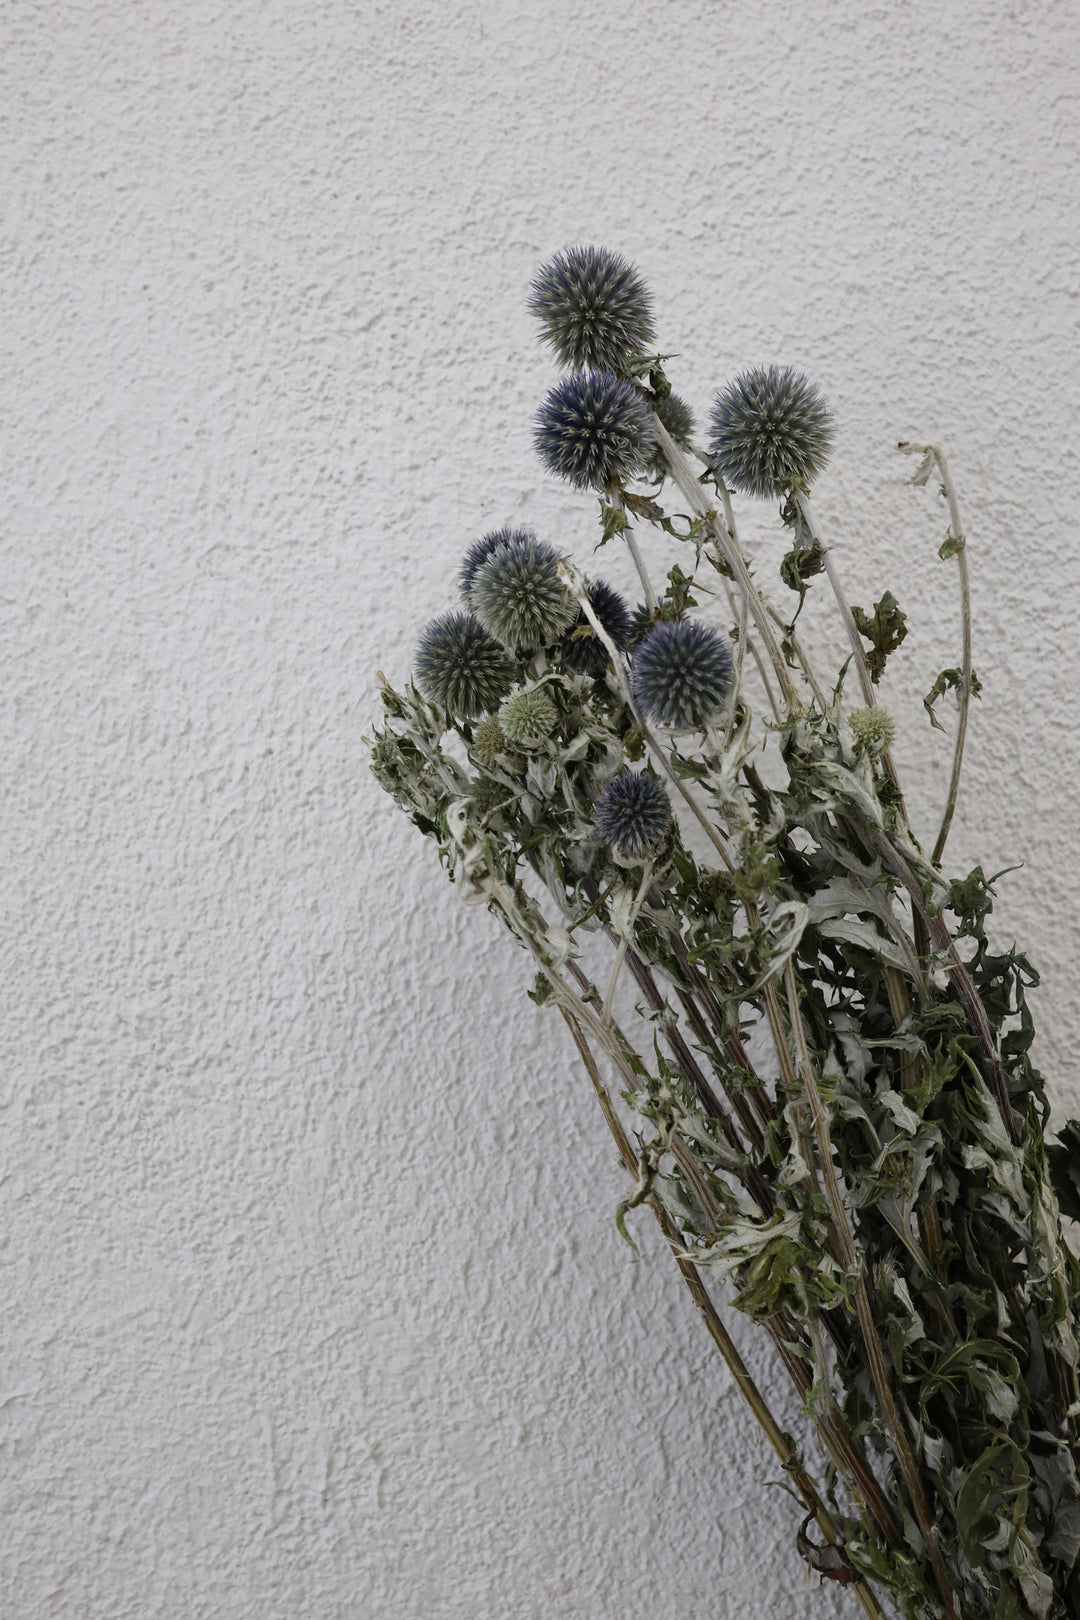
{"x":641,"y":622}
{"x":518,"y":596}
{"x":633,"y":814}
{"x":480,"y":550}
{"x":872,"y":729}
{"x":489,"y":740}
{"x":682,"y":673}
{"x":594,"y":308}
{"x":581,"y":649}
{"x":459,"y":665}
{"x":678,"y":419}
{"x":770,"y":429}
{"x":594,"y":429}
{"x":527,"y":717}
{"x":486,"y":796}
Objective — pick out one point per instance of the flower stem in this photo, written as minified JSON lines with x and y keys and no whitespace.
{"x":743,"y":1379}
{"x":683,"y":474}
{"x":891,"y":1416}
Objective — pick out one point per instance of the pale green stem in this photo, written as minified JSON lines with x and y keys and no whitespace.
{"x":683,"y":474}
{"x":964,"y":695}
{"x":624,"y":939}
{"x":740,"y":1373}
{"x":848,"y":617}
{"x":800,"y":653}
{"x":849,"y":1256}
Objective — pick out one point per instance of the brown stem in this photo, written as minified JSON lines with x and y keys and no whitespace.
{"x":892,"y":1418}
{"x":744,"y":1382}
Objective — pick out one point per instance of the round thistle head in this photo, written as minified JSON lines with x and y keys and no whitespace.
{"x":581,"y":650}
{"x":480,"y":550}
{"x":633,"y":814}
{"x":594,"y":308}
{"x":771,"y":429}
{"x":489,"y":740}
{"x":682,"y":673}
{"x":678,"y":418}
{"x":527,"y":717}
{"x":641,"y":622}
{"x":486,"y":796}
{"x":461,"y":667}
{"x":872,"y":729}
{"x":518,"y":597}
{"x":594,"y":429}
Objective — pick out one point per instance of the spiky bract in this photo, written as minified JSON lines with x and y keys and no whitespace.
{"x":678,"y":419}
{"x":771,"y":429}
{"x":682,"y":673}
{"x":594,"y":308}
{"x":489,"y":740}
{"x":872,"y":729}
{"x":633,"y":814}
{"x":581,"y":649}
{"x":594,"y":429}
{"x":460,"y":666}
{"x":480,"y":550}
{"x":518,"y":596}
{"x":528,"y":716}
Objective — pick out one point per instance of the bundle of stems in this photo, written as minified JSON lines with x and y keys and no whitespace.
{"x":876,"y":1190}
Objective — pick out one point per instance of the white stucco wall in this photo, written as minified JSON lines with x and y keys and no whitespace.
{"x":313,"y":1304}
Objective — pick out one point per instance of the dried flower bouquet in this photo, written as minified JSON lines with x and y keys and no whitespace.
{"x":877,"y":1193}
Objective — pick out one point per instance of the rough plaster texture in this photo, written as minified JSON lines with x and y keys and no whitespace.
{"x":313,"y":1304}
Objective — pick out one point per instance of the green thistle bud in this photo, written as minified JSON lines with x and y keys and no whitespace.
{"x":486,"y":796}
{"x":872,"y":729}
{"x":528,"y":717}
{"x":518,"y":596}
{"x":489,"y":740}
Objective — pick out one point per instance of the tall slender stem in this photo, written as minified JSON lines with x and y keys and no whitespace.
{"x":643,"y":573}
{"x":959,"y":539}
{"x":891,"y":1416}
{"x":683,"y":474}
{"x":859,"y":652}
{"x":744,"y":1381}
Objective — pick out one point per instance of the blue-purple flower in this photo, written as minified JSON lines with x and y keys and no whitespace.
{"x":771,"y":431}
{"x":633,"y":814}
{"x":480,"y":550}
{"x":594,"y":429}
{"x":594,"y":308}
{"x":517,"y":594}
{"x":461,"y":667}
{"x":581,"y":649}
{"x":682,"y":673}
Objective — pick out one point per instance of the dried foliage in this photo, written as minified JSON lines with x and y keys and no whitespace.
{"x":879,"y":1193}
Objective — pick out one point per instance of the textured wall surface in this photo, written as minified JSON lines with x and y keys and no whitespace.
{"x":313,"y":1304}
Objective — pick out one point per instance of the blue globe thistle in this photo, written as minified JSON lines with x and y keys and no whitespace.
{"x":461,"y":667}
{"x":678,"y":418}
{"x":682,"y":673}
{"x":480,"y":550}
{"x":586,"y":653}
{"x":594,"y":429}
{"x":633,"y":814}
{"x":594,"y":308}
{"x":770,"y":429}
{"x":517,"y":594}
